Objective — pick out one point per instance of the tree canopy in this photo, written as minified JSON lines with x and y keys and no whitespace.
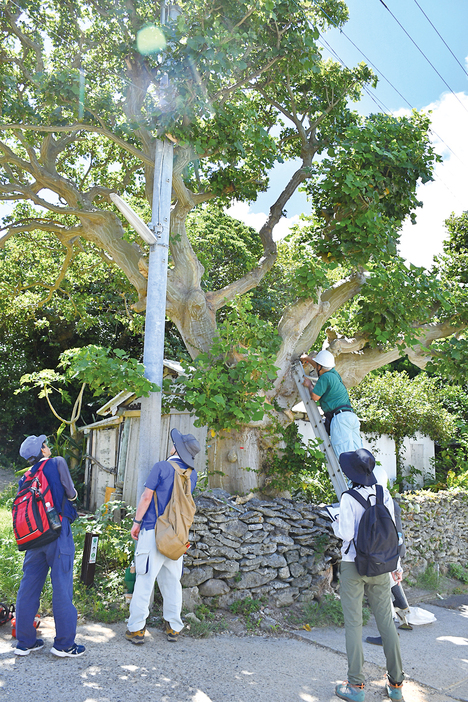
{"x":236,"y":87}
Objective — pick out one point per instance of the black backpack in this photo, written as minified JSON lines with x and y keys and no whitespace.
{"x":377,"y":548}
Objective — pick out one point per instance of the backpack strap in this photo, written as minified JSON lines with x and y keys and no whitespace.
{"x":181,"y":471}
{"x":359,"y":498}
{"x":379,"y":494}
{"x":184,"y":473}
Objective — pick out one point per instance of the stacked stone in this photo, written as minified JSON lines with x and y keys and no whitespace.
{"x":280,"y":549}
{"x":436,"y":529}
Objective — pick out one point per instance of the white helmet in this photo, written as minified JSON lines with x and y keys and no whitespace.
{"x":325,"y":358}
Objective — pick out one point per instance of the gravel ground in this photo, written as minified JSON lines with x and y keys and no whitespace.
{"x":224,"y":668}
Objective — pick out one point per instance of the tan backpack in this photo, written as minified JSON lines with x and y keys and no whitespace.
{"x":173,"y":526}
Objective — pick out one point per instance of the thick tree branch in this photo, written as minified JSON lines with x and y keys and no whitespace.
{"x":84,"y":128}
{"x":26,"y":41}
{"x":354,"y":359}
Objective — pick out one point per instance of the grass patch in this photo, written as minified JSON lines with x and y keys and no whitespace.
{"x":327,"y":612}
{"x":249,"y":609}
{"x":430,"y":579}
{"x":209,"y":623}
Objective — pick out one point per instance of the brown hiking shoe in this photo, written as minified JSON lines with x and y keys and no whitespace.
{"x":136,"y":637}
{"x":171,"y":635}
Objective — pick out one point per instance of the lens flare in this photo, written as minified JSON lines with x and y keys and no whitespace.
{"x":150,"y":40}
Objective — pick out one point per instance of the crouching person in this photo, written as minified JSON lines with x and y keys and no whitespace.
{"x":150,"y":563}
{"x":358,"y":467}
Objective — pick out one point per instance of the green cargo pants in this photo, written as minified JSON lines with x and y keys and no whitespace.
{"x":352,"y":588}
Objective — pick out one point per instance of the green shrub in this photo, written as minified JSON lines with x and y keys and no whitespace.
{"x":459,"y":572}
{"x":298,"y":468}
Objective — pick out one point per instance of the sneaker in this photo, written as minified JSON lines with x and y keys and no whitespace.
{"x":394,"y":690}
{"x":171,"y":635}
{"x":376,"y":640}
{"x":347,"y":691}
{"x":136,"y":637}
{"x":25,"y":651}
{"x":72,"y":652}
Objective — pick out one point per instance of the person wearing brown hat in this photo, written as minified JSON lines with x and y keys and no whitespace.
{"x":358,"y":466}
{"x":150,"y":564}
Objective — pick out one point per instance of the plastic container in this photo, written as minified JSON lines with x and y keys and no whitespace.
{"x":52,"y":516}
{"x":129,"y":578}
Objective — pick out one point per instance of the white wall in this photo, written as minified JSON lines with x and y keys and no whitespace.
{"x":418,"y":452}
{"x":383,"y":449}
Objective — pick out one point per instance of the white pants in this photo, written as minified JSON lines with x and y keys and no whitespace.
{"x":150,"y":564}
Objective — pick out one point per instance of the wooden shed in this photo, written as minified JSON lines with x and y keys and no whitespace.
{"x":111,"y":469}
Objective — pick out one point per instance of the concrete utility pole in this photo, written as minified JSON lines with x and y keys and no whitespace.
{"x":153,"y":355}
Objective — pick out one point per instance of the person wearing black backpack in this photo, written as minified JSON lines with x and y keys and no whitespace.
{"x":369,"y":553}
{"x":56,"y":555}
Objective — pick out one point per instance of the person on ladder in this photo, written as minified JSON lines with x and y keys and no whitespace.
{"x":329,"y":391}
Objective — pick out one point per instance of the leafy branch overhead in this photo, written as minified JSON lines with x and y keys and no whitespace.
{"x":103,"y":370}
{"x":237,"y":87}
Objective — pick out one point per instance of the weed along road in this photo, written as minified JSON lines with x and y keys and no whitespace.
{"x":222,"y":668}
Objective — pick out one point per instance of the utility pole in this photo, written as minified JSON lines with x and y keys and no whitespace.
{"x":157,"y":236}
{"x":153,"y":355}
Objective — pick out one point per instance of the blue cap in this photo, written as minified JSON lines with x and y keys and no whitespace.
{"x":31,"y":447}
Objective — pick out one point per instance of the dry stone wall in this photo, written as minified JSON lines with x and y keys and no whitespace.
{"x":436,"y":529}
{"x":287,"y":552}
{"x":280,"y":549}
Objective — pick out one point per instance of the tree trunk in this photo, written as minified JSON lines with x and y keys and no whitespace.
{"x":235,"y":460}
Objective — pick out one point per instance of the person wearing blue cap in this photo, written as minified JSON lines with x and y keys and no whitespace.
{"x":150,"y":564}
{"x":358,"y":466}
{"x":56,"y":556}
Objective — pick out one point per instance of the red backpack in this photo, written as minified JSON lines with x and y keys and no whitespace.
{"x":30,"y":521}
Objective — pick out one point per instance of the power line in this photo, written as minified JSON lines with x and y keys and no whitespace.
{"x":442,"y":38}
{"x":423,"y":54}
{"x":379,"y":104}
{"x":386,"y":109}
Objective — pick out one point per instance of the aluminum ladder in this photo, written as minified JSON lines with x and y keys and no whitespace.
{"x":334,"y":469}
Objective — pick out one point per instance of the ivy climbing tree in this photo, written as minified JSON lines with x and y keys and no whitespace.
{"x":236,"y":87}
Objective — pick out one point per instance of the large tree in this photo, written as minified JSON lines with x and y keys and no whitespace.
{"x":236,"y":86}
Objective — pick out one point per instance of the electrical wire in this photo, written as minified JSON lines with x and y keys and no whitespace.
{"x":423,"y":54}
{"x":379,"y":104}
{"x":442,"y":38}
{"x":386,"y":109}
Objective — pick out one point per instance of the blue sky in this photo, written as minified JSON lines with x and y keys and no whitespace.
{"x":378,"y":37}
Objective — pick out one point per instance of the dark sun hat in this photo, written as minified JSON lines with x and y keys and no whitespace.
{"x":358,"y":466}
{"x":186,"y":446}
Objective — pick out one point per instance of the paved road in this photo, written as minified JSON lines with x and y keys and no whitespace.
{"x":227,"y":668}
{"x":224,"y":668}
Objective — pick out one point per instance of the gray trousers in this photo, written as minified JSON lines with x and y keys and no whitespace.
{"x":352,"y":589}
